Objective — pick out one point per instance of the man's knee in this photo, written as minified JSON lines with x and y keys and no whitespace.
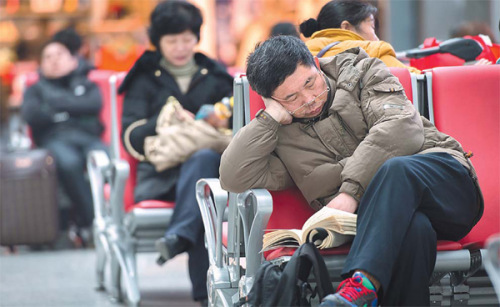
{"x":68,"y":163}
{"x":397,"y":166}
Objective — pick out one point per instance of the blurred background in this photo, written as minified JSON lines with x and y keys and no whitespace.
{"x":115,"y":30}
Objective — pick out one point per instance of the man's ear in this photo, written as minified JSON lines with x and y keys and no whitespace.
{"x":316,"y":61}
{"x":346,"y":25}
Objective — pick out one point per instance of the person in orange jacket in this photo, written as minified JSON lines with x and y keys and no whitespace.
{"x":346,"y":24}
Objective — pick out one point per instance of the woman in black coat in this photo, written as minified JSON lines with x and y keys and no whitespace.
{"x":174,"y":69}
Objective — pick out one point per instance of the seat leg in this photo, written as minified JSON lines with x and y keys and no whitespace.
{"x":130,"y":278}
{"x":102,"y":252}
{"x":123,"y":264}
{"x":115,"y":291}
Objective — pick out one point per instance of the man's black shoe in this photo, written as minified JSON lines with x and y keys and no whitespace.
{"x":169,"y":247}
{"x":204,"y":302}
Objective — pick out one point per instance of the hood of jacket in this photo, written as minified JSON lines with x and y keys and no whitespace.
{"x":149,"y":61}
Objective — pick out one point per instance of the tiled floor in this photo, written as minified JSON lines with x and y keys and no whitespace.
{"x":66,"y":278}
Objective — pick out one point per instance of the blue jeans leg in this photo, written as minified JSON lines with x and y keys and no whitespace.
{"x":70,"y":163}
{"x":186,"y":220}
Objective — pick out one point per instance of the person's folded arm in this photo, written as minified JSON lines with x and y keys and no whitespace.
{"x":249,"y":161}
{"x":84,"y":100}
{"x":395,"y":128}
{"x":35,"y":112}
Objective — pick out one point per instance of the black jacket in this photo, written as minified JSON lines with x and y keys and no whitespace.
{"x":54,"y":106}
{"x":147,"y":87}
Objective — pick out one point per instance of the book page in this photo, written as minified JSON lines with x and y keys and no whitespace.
{"x":323,"y":238}
{"x":335,"y":222}
{"x":281,"y":238}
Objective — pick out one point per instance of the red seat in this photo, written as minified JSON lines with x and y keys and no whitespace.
{"x":465,"y":103}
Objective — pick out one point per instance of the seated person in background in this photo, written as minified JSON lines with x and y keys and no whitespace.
{"x":174,"y":69}
{"x":351,"y":23}
{"x":343,"y":131}
{"x":62,"y":109}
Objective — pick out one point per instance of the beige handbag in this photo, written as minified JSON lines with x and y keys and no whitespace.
{"x":179,"y":136}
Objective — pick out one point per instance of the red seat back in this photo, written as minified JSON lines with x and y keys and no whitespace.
{"x":128,"y":197}
{"x":465,"y":103}
{"x":101,"y":78}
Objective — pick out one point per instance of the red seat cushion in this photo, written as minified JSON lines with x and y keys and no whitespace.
{"x":224,"y":234}
{"x":154,"y":204}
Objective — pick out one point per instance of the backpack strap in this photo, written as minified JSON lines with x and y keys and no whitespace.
{"x":322,"y":52}
{"x":320,"y":270}
{"x":297,"y":271}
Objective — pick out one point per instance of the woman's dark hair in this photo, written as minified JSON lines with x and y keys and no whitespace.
{"x":274,"y":60}
{"x":174,"y":17}
{"x":334,"y":12}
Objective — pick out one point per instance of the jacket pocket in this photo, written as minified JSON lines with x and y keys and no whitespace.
{"x":385,"y":87}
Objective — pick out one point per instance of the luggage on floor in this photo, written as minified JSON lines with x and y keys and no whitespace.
{"x":28,"y":198}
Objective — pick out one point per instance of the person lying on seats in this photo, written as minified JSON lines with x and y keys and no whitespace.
{"x":343,"y":131}
{"x":174,"y":69}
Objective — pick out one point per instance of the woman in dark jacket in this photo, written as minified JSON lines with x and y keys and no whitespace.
{"x":174,"y":69}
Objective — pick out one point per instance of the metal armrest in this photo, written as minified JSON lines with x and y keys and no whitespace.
{"x":492,"y":262}
{"x":255,"y":207}
{"x":119,"y":173}
{"x":209,"y":191}
{"x":98,"y":166}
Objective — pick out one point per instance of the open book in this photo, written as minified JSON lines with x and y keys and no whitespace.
{"x":326,"y":228}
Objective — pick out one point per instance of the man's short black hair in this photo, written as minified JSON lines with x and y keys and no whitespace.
{"x":69,"y":38}
{"x":174,"y":17}
{"x":274,"y":60}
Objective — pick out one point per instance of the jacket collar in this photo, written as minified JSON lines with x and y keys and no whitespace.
{"x":338,"y":35}
{"x":149,"y":61}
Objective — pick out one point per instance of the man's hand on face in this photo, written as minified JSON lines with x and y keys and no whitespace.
{"x":277,"y":111}
{"x":344,"y":202}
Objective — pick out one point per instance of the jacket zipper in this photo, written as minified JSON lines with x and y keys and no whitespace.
{"x":195,"y":81}
{"x":346,"y":127}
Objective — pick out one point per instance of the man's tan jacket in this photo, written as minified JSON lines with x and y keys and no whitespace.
{"x":369,"y":121}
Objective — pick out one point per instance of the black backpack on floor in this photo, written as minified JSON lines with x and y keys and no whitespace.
{"x":274,"y":286}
